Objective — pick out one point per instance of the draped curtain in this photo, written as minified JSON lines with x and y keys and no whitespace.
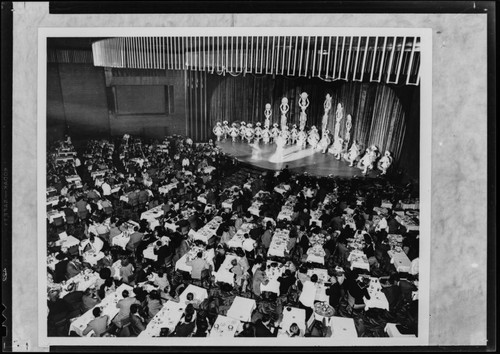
{"x":378,"y":115}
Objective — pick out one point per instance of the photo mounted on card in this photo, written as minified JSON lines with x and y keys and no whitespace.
{"x":204,"y":186}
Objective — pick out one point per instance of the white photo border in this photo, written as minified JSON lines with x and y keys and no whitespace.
{"x":424,"y":181}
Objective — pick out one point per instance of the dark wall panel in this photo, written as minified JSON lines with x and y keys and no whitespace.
{"x":55,"y":108}
{"x":77,"y":94}
{"x":84,"y":96}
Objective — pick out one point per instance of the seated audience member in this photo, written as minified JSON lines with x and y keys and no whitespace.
{"x":99,"y":324}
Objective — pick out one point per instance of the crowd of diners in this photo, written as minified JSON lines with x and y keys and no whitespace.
{"x":96,"y":234}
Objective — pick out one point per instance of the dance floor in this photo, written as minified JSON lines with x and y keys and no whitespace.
{"x":307,"y":160}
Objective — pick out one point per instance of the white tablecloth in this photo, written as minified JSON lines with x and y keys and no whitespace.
{"x":209,"y":230}
{"x":68,"y":242}
{"x":293,"y":315}
{"x":96,"y":174}
{"x":51,"y":215}
{"x":343,"y":328}
{"x":108,"y":305}
{"x":279,"y":243}
{"x":168,"y":317}
{"x":223,"y":274}
{"x":73,"y":178}
{"x":241,"y":309}
{"x":225,"y":327}
{"x":83,"y":281}
{"x":255,"y":208}
{"x":152,"y":216}
{"x":400,"y":261}
{"x":121,"y":240}
{"x":167,"y":188}
{"x":92,"y":258}
{"x":272,"y":274}
{"x":53,"y":200}
{"x":321,"y":273}
{"x":238,"y":238}
{"x":208,"y":255}
{"x":377,"y":297}
{"x":149,"y":253}
{"x":199,"y":294}
{"x":392,"y":331}
{"x":358,"y":260}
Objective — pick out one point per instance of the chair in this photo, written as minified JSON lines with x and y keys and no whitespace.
{"x":71,"y":219}
{"x":352,"y":303}
{"x":59,"y":221}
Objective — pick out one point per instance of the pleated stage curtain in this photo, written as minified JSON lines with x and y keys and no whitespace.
{"x":378,"y":115}
{"x":198,"y":124}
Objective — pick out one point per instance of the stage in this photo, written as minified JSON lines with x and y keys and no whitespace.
{"x":308,"y":160}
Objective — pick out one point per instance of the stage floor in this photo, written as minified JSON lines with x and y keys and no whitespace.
{"x":298,"y":160}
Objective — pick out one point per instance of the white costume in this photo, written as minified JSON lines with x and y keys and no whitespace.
{"x":267,"y":113}
{"x":303,"y":104}
{"x":327,"y":106}
{"x":353,"y":153}
{"x":266,"y":135}
{"x":285,"y":134}
{"x":313,"y":137}
{"x":218,"y":131}
{"x":294,"y":133}
{"x":284,"y":107}
{"x":275,"y":132}
{"x":368,"y":159}
{"x":249,"y":133}
{"x":385,"y":162}
{"x":302,"y":138}
{"x":324,"y":142}
{"x":336,"y":148}
{"x":257,"y":133}
{"x":339,"y":115}
{"x":225,"y":127}
{"x":233,"y":132}
{"x":243,"y":128}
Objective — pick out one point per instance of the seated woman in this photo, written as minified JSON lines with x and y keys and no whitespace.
{"x":187,"y":325}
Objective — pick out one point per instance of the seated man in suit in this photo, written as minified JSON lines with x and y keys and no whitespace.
{"x":124,"y":306}
{"x":137,"y":323}
{"x":264,"y":328}
{"x":99,"y":324}
{"x":135,"y":239}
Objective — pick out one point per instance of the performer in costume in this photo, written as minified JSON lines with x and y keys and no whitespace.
{"x":324,"y":142}
{"x":266,"y":135}
{"x":313,"y":137}
{"x":257,"y":133}
{"x":275,"y":132}
{"x":218,"y":131}
{"x":336,"y":148}
{"x":353,"y":154}
{"x":243,"y":128}
{"x":368,"y":160}
{"x":249,"y":133}
{"x":348,"y":127}
{"x":225,"y":127}
{"x":327,"y":106}
{"x":385,"y":162}
{"x":302,"y":138}
{"x":303,"y":104}
{"x":233,"y":132}
{"x":294,"y":133}
{"x":285,"y":134}
{"x":284,"y":107}
{"x":267,"y":113}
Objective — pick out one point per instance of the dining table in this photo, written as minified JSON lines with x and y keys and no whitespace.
{"x":108,"y":307}
{"x":241,"y":309}
{"x":168,"y":317}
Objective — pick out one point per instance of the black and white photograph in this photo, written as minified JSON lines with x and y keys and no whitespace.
{"x":236,"y":185}
{"x":248,"y":176}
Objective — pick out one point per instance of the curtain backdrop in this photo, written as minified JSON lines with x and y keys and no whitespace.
{"x":378,"y":114}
